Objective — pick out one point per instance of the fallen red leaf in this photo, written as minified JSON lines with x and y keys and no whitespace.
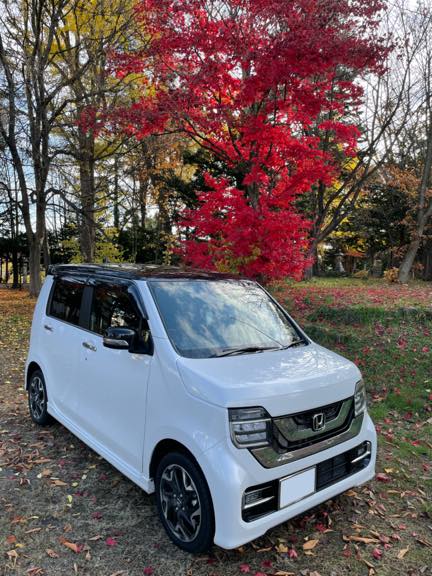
{"x":111,"y":541}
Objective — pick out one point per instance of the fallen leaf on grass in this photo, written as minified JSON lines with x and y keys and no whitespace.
{"x":381,"y":477}
{"x":310,"y":544}
{"x":35,"y":571}
{"x":111,"y":541}
{"x":424,"y":542}
{"x":72,"y":546}
{"x":58,"y":483}
{"x":244,"y":568}
{"x":11,"y":539}
{"x":377,"y":553}
{"x":402,"y":553}
{"x":12,"y":554}
{"x":363,"y":539}
{"x":283,"y":573}
{"x":282,"y":548}
{"x":51,"y":553}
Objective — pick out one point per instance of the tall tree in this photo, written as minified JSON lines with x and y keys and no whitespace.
{"x":31,"y":104}
{"x":258,"y":84}
{"x":421,"y":137}
{"x":89,"y":31}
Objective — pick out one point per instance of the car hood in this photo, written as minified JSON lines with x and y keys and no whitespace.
{"x":283,"y":381}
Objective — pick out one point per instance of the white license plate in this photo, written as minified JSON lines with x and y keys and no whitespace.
{"x":295,"y":487}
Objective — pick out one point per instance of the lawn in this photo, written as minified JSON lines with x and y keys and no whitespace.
{"x":64,"y":511}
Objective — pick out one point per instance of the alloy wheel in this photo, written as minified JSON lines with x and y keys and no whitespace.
{"x":37,"y":397}
{"x":180,"y":503}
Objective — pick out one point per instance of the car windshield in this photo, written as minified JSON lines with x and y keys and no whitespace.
{"x":208,"y":318}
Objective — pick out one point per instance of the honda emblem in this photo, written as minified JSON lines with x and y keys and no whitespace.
{"x":318,"y":422}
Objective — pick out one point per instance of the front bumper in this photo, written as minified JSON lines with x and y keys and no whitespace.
{"x":230,"y":471}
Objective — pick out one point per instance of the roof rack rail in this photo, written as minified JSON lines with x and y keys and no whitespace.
{"x":136,"y":271}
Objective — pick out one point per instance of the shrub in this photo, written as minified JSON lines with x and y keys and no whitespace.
{"x":391,"y":275}
{"x":361,"y":274}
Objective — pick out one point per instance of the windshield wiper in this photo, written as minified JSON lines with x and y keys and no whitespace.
{"x":294,"y":343}
{"x":245,"y":350}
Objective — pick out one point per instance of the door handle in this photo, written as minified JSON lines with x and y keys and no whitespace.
{"x":48,"y":327}
{"x":89,"y":346}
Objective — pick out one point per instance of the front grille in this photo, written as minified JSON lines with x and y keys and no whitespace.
{"x":295,"y":431}
{"x":304,"y":419}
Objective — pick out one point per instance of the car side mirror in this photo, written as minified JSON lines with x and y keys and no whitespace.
{"x":119,"y":338}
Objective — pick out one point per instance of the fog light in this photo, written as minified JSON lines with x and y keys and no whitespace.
{"x":259,"y":500}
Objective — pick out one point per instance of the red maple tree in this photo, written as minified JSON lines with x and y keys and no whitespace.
{"x":260,"y":84}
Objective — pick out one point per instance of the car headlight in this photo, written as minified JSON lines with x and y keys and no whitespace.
{"x":359,"y":398}
{"x":250,"y":427}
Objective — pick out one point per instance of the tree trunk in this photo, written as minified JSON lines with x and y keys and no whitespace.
{"x":35,"y":248}
{"x":408,"y":261}
{"x":88,"y":195}
{"x":427,"y":261}
{"x":313,"y":269}
{"x":116,"y":208}
{"x":142,"y":196}
{"x":88,"y":229}
{"x":15,"y":267}
{"x":46,"y":253}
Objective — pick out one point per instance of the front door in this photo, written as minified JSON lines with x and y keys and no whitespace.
{"x":113,"y":383}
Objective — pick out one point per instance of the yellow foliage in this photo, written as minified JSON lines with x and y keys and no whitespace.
{"x":391,"y":275}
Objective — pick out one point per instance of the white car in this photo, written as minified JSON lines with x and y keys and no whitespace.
{"x":198,"y":387}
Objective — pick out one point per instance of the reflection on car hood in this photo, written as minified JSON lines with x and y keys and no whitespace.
{"x":283,"y":382}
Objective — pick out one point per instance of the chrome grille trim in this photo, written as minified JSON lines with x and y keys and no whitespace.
{"x":293,"y":432}
{"x":269,"y":458}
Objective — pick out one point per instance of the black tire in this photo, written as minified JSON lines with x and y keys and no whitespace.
{"x":195,"y":531}
{"x":38,"y":399}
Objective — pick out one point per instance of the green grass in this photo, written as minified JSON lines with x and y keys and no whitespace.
{"x":386,"y":330}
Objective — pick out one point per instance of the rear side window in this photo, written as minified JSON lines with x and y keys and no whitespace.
{"x":66,"y":300}
{"x":113,"y":306}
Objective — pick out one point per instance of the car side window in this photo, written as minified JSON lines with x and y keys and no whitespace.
{"x":113,"y":306}
{"x":66,"y":300}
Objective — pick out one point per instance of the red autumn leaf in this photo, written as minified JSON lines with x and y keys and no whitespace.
{"x":148,"y":570}
{"x":377,"y":554}
{"x":244,"y":568}
{"x":292,"y":553}
{"x":111,"y":541}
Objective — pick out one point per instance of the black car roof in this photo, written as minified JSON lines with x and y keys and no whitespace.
{"x":138,"y":271}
